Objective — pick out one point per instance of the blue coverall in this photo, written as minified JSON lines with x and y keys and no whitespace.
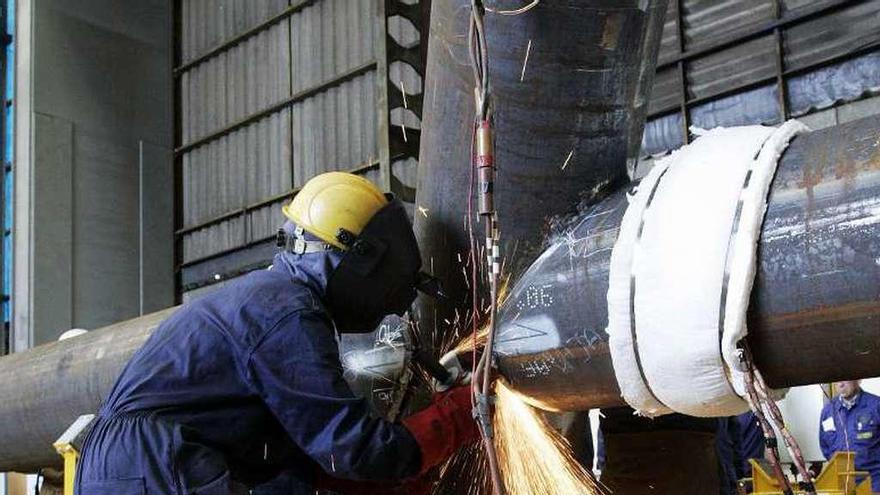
{"x":752,"y":444}
{"x":856,"y":429}
{"x":727,"y":447}
{"x":235,"y":388}
{"x":738,"y":439}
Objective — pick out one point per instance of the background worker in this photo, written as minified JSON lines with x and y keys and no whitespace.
{"x":751,"y":441}
{"x":727,"y":446}
{"x":246,"y":383}
{"x":851,"y":422}
{"x":738,"y":439}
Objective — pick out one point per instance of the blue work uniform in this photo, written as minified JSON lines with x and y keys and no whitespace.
{"x":729,"y":456}
{"x":751,"y":442}
{"x":237,"y":387}
{"x":855,"y":429}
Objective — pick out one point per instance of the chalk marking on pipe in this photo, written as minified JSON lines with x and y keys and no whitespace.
{"x":522,"y":74}
{"x":821,"y":274}
{"x":424,"y":212}
{"x":594,"y":215}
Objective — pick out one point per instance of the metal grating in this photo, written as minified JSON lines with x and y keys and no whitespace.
{"x":271,"y":93}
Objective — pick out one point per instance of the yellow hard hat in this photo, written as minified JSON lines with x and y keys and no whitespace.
{"x":333,"y":201}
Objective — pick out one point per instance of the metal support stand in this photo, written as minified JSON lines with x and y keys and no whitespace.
{"x":69,"y":445}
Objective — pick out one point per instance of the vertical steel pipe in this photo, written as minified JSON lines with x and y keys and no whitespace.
{"x":570,"y":80}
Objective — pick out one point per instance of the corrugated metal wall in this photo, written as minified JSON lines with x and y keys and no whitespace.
{"x":730,"y":62}
{"x":273,"y":92}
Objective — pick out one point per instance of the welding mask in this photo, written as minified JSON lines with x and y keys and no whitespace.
{"x":379,"y":272}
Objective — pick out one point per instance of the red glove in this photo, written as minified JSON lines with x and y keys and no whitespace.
{"x":444,"y":426}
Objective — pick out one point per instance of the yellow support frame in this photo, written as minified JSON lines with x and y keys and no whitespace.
{"x":838,"y":477}
{"x":69,"y":445}
{"x":70,"y":455}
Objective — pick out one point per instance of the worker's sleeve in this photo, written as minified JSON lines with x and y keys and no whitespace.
{"x":827,"y":432}
{"x":296,"y":370}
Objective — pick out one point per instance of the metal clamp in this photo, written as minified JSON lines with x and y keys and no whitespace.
{"x":482,"y":413}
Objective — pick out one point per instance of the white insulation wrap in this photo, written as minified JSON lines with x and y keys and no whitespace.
{"x":682,"y":271}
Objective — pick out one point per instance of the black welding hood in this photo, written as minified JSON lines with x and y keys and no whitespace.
{"x":379,"y":272}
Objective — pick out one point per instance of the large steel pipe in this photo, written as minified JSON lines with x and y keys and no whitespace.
{"x":815,"y":315}
{"x":570,"y":82}
{"x":815,"y":311}
{"x":46,"y":388}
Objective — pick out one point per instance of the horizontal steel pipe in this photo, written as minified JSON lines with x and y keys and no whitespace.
{"x":815,"y":310}
{"x":46,"y":388}
{"x":815,"y":313}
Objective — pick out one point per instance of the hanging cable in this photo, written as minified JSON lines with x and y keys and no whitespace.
{"x":794,"y":450}
{"x":483,"y":180}
{"x":760,"y":400}
{"x":771,"y":448}
{"x":484,"y":170}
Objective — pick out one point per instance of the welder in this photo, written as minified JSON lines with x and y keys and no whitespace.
{"x":246,"y":383}
{"x":851,"y":422}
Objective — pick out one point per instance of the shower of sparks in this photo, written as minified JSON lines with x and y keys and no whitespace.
{"x":535,"y":459}
{"x":403,"y":92}
{"x":567,"y":159}
{"x":525,"y":61}
{"x":406,"y":107}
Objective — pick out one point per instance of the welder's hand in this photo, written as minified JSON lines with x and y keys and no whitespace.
{"x":461,"y":375}
{"x":444,"y":426}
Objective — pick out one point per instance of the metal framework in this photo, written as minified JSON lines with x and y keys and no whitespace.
{"x":7,"y":76}
{"x":391,"y":145}
{"x":777,"y":28}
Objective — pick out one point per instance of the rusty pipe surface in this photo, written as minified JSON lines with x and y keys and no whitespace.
{"x":815,"y":308}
